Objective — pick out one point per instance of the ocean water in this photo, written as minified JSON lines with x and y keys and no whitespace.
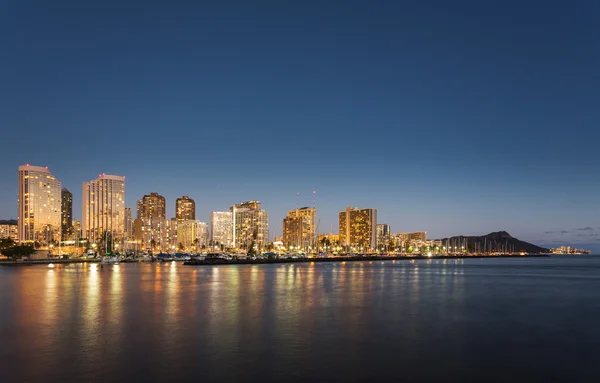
{"x":522,"y":319}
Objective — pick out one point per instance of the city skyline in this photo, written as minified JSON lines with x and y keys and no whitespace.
{"x":456,"y":119}
{"x":276,"y":230}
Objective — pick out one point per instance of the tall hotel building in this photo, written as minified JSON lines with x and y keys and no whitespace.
{"x":221,"y":228}
{"x":151,"y":210}
{"x":358,"y":229}
{"x":299,"y":228}
{"x":250,"y":223}
{"x":185,"y":209}
{"x":66,"y":220}
{"x":39,"y":205}
{"x":103,"y":207}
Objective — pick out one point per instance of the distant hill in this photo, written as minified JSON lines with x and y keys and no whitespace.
{"x":8,"y":221}
{"x":497,"y":241}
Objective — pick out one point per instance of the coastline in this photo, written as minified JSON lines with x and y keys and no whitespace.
{"x":211,"y":262}
{"x":218,"y":261}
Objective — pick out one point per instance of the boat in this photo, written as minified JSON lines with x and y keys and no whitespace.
{"x":110,"y":259}
{"x":164,"y":257}
{"x":181,"y":257}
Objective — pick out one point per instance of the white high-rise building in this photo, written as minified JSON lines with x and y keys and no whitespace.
{"x":221,"y":228}
{"x":250,"y":224}
{"x":39,"y":205}
{"x":103,"y":208}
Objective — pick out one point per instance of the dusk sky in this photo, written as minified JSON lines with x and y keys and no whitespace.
{"x":453,"y":117}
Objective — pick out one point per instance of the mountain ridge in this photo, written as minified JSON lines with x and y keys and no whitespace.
{"x":498,"y":241}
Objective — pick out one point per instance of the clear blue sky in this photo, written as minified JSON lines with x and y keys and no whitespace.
{"x":455,"y":117}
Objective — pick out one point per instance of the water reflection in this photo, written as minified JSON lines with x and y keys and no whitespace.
{"x":337,"y":321}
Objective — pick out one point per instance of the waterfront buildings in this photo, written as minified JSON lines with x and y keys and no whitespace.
{"x":185,"y":209}
{"x":66,"y":221}
{"x":299,"y":229}
{"x":192,"y":235}
{"x":405,"y":240}
{"x":383,"y":236}
{"x":151,"y":210}
{"x":103,"y":207}
{"x":418,"y":236}
{"x":358,"y":229}
{"x":399,"y":240}
{"x":9,"y":230}
{"x":329,"y":241}
{"x":221,"y":228}
{"x":39,"y":205}
{"x":168,"y":235}
{"x":250,"y":223}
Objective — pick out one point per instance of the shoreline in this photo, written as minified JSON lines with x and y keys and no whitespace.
{"x":218,"y":261}
{"x":211,"y":262}
{"x":30,"y":262}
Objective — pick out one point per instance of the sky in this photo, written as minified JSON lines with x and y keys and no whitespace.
{"x":461,"y":117}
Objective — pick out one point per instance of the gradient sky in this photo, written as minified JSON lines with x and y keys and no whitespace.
{"x":454,"y":117}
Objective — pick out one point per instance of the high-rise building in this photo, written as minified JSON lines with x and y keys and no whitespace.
{"x":221,"y":228}
{"x":358,"y":229}
{"x":128,"y":223}
{"x":9,"y":230}
{"x":169,"y":240}
{"x":66,"y":213}
{"x":151,"y":210}
{"x":250,"y":223}
{"x":192,"y":235}
{"x":103,"y":207}
{"x":152,"y":205}
{"x":39,"y":205}
{"x":383,"y":236}
{"x":185,"y":209}
{"x":299,"y":228}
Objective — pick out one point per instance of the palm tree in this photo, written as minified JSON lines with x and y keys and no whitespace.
{"x":196,"y":240}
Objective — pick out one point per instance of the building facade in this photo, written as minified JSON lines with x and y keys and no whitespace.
{"x":358,"y":229}
{"x":169,"y":235}
{"x":383,"y":236}
{"x":299,"y":229}
{"x":221,"y":228}
{"x":39,"y":206}
{"x":251,"y":224}
{"x":185,"y":209}
{"x":152,"y":205}
{"x":151,"y":210}
{"x":66,"y":220}
{"x":418,"y":236}
{"x":192,"y":235}
{"x":76,"y":228}
{"x":103,"y":208}
{"x":128,"y":223}
{"x":8,"y":230}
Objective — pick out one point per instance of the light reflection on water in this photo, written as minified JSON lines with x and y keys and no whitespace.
{"x":328,"y":321}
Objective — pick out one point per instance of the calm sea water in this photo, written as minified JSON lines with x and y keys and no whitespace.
{"x":535,"y":319}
